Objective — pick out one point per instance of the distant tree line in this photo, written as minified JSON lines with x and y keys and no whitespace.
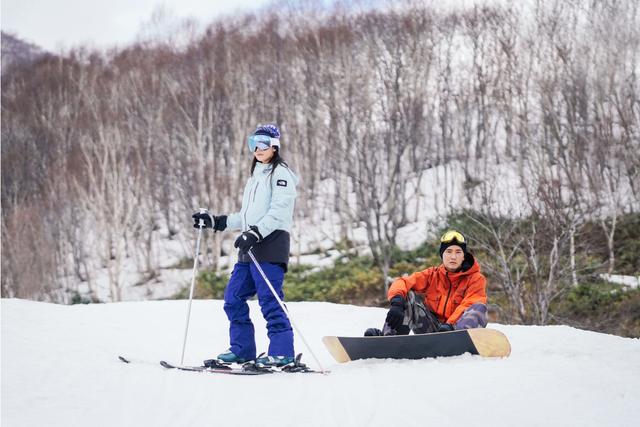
{"x":102,"y":152}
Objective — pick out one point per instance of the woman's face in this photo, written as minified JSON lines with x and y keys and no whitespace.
{"x":264,"y":156}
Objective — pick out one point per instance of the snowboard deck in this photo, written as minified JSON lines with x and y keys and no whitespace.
{"x":480,"y":341}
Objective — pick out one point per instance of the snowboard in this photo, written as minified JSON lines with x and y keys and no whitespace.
{"x":480,"y":341}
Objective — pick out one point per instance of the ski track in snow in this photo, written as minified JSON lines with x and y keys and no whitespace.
{"x":60,"y":368}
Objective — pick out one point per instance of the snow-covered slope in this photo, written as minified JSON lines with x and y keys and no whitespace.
{"x":60,"y":368}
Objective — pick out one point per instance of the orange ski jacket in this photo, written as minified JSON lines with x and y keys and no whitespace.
{"x":445,"y":293}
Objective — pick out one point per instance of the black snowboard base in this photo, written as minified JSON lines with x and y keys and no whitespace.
{"x":481,"y":341}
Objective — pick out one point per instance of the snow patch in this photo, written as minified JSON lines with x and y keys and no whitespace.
{"x":630,"y":281}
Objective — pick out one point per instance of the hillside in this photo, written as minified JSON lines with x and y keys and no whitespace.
{"x":17,"y":51}
{"x":391,"y":117}
{"x":60,"y":368}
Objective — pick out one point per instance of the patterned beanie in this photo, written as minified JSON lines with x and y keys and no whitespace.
{"x":268,"y":130}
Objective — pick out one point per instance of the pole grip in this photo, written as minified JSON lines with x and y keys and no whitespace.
{"x":201,"y":222}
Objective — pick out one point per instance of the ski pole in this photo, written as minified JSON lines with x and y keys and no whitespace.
{"x":284,"y":308}
{"x":193,"y":281}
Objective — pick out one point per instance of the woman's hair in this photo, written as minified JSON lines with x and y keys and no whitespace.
{"x":275,"y":161}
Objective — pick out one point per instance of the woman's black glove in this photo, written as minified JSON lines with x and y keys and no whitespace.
{"x":395,"y":316}
{"x":218,"y":223}
{"x":246,"y":240}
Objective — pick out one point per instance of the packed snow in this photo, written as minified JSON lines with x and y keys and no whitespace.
{"x":60,"y":368}
{"x":629,"y":281}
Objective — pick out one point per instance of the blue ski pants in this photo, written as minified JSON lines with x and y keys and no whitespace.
{"x":245,"y":282}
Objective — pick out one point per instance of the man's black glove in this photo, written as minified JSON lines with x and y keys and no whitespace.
{"x":445,"y":327}
{"x":246,"y":240}
{"x":218,"y":223}
{"x":395,"y":316}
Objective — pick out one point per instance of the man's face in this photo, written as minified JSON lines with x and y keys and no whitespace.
{"x":452,"y":257}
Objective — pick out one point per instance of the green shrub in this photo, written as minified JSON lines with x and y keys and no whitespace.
{"x":76,"y":298}
{"x":183,"y":263}
{"x":627,"y":246}
{"x":601,"y":306}
{"x":209,"y":285}
{"x":350,"y":281}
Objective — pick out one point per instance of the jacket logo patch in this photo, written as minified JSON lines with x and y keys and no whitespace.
{"x":281,"y":183}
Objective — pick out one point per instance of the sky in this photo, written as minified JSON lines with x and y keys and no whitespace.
{"x":62,"y":24}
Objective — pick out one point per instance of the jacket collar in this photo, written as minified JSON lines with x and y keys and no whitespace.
{"x":262,"y":168}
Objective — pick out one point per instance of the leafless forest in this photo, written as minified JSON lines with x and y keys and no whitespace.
{"x":103,"y":153}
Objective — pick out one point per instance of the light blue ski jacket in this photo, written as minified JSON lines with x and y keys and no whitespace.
{"x":267,"y":202}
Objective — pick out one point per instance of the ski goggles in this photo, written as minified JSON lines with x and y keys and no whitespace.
{"x":262,"y":142}
{"x":452,"y":235}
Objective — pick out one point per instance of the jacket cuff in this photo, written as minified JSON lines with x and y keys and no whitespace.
{"x":234,"y":222}
{"x":220,"y":223}
{"x":398,"y":300}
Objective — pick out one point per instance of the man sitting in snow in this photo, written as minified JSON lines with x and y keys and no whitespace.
{"x":438,"y":299}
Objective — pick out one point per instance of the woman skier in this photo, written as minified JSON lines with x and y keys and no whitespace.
{"x":265,"y":221}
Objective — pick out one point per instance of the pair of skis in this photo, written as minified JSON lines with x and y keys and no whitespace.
{"x":214,"y":366}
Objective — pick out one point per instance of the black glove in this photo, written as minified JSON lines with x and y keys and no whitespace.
{"x":395,"y":316}
{"x":246,"y":240}
{"x":445,"y":327}
{"x":218,"y":223}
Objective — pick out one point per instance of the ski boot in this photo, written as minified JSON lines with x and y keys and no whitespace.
{"x":223,"y":360}
{"x":274,"y":361}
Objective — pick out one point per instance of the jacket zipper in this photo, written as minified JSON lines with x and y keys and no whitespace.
{"x":255,"y":191}
{"x":444,"y":310}
{"x":253,"y":199}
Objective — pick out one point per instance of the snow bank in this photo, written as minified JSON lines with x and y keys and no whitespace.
{"x":630,"y":281}
{"x":60,"y":368}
